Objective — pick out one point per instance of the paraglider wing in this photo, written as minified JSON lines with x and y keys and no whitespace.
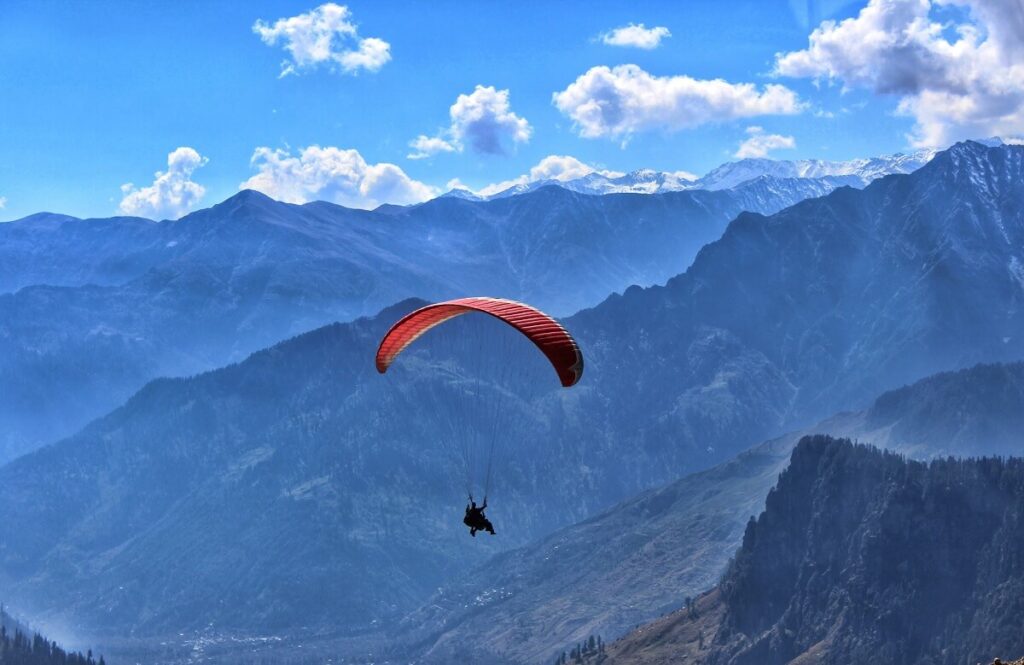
{"x":547,"y":334}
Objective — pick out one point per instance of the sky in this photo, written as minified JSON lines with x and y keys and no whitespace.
{"x":159,"y":108}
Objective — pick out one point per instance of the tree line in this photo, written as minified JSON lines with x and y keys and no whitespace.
{"x":17,"y":648}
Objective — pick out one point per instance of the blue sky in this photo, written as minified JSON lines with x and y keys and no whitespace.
{"x":97,"y":95}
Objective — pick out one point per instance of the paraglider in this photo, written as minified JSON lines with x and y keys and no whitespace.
{"x":550,"y":337}
{"x":547,"y":335}
{"x":475,"y":518}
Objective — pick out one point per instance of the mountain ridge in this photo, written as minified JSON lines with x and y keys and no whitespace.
{"x":178,"y":297}
{"x":820,"y":173}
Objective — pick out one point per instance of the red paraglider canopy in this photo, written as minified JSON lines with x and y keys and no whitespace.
{"x":549,"y":336}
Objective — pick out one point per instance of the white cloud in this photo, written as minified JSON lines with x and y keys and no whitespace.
{"x":958,"y":78}
{"x":372,"y":54}
{"x":760,"y":144}
{"x":560,"y":167}
{"x":637,"y":36}
{"x":325,"y":35}
{"x":428,"y":146}
{"x":483,"y":119}
{"x":496,"y":187}
{"x":552,"y":167}
{"x":618,"y":102}
{"x":456,"y":183}
{"x":172,"y":194}
{"x":3,"y":202}
{"x":333,"y":174}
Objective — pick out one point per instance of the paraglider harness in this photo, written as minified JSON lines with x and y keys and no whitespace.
{"x":475,"y":518}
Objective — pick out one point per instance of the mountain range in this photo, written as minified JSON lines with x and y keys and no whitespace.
{"x":823,"y":174}
{"x":290,"y":494}
{"x":95,"y":308}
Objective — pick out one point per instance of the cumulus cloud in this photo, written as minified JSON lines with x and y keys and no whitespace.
{"x":333,"y":174}
{"x":618,"y":102}
{"x":324,"y":36}
{"x":760,"y":144}
{"x":456,"y":183}
{"x":483,"y":119}
{"x":172,"y":194}
{"x":636,"y":36}
{"x":427,"y":146}
{"x":562,"y":167}
{"x":958,"y":78}
{"x":3,"y":202}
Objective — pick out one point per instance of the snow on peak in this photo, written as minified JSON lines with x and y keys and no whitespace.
{"x":732,"y":174}
{"x":856,"y":172}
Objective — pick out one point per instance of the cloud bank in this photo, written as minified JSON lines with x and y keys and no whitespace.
{"x":333,"y":174}
{"x":172,"y":194}
{"x":324,"y":36}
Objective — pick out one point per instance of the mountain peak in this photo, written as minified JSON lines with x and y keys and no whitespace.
{"x":461,"y":193}
{"x":989,"y":160}
{"x":249,"y":197}
{"x":245,"y":204}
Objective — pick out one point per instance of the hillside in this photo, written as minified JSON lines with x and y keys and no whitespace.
{"x":20,"y":646}
{"x":864,"y":557}
{"x":645,"y":556}
{"x":828,"y":303}
{"x":95,"y":308}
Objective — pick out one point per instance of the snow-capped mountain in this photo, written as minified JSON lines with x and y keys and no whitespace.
{"x":732,"y":174}
{"x":642,"y":181}
{"x":855,"y":173}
